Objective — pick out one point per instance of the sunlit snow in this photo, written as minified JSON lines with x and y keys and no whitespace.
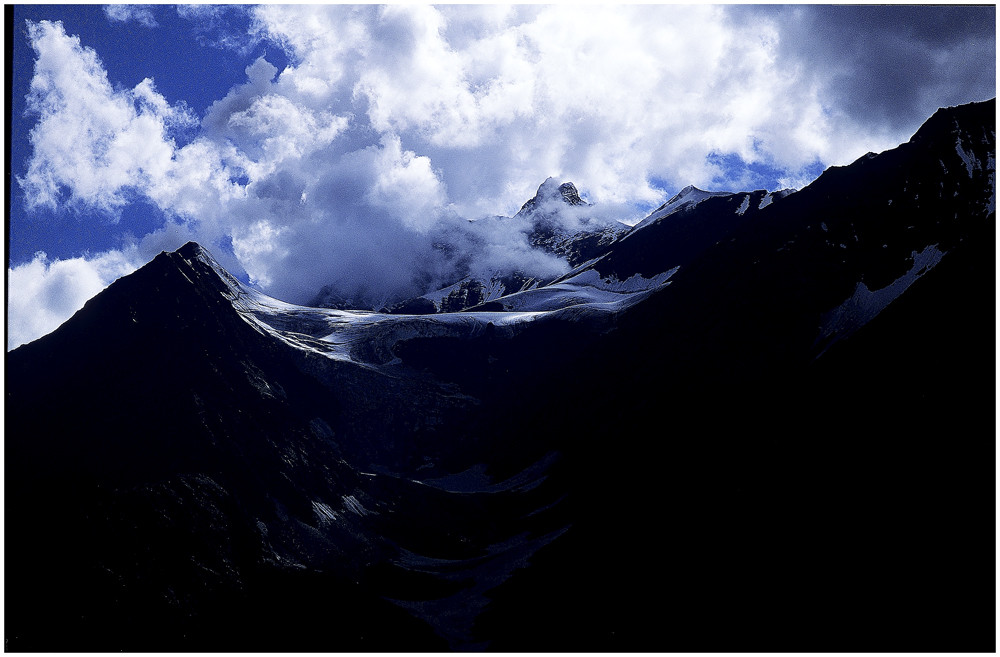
{"x":368,"y":338}
{"x":688,"y":197}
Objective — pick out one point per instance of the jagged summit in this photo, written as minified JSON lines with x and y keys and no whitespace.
{"x":549,"y":191}
{"x":569,"y":194}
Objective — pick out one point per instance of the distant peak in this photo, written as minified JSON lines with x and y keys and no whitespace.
{"x":688,"y":197}
{"x":687,"y":191}
{"x":551,"y":190}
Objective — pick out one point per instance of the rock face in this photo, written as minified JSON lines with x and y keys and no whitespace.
{"x":765,"y":412}
{"x":548,"y":192}
{"x":577,"y":238}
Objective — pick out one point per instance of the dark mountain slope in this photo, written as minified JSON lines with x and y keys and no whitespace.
{"x":785,"y":446}
{"x":764,"y":297}
{"x":158,"y":478}
{"x":179,"y":472}
{"x":841,"y":505}
{"x":777,"y":502}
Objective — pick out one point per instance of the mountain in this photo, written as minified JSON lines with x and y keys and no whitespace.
{"x":554,"y":221}
{"x":756,"y":421}
{"x":560,"y":224}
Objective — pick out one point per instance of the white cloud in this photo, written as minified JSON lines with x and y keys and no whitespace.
{"x":607,"y":96}
{"x":42,"y":294}
{"x":142,"y":14}
{"x":359,"y":164}
{"x":92,"y":142}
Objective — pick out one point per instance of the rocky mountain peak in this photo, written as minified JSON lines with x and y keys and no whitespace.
{"x":551,"y":190}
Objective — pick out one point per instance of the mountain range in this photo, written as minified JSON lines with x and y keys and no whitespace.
{"x":753,"y":421}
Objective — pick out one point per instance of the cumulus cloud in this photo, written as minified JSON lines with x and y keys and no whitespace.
{"x":42,"y":294}
{"x":92,"y":144}
{"x":611,"y":97}
{"x":367,"y":164}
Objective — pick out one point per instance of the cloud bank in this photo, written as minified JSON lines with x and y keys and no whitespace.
{"x":44,"y":293}
{"x":359,"y":165}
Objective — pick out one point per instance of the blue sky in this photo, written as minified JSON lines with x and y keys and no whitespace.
{"x":188,"y":60}
{"x":333,"y":145}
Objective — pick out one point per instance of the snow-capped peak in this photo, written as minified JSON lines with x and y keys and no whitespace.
{"x":686,"y":198}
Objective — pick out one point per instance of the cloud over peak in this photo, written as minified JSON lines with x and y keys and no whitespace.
{"x":363,"y":163}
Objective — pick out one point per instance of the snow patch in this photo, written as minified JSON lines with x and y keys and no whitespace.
{"x":744,"y":205}
{"x":587,"y":289}
{"x":865,"y":304}
{"x":324,"y":512}
{"x":991,"y":167}
{"x":495,"y":289}
{"x":352,"y":504}
{"x":969,"y":159}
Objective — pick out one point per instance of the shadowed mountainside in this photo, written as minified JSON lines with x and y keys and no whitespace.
{"x":753,"y":422}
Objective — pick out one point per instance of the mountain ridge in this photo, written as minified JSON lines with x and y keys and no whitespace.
{"x":679,"y":416}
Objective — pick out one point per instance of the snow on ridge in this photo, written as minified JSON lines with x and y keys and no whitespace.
{"x":865,"y":304}
{"x":367,"y":338}
{"x":495,"y":289}
{"x":361,"y":337}
{"x":586,"y":290}
{"x":688,"y":197}
{"x":635,"y":283}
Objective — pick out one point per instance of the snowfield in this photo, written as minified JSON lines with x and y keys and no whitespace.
{"x":367,"y":338}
